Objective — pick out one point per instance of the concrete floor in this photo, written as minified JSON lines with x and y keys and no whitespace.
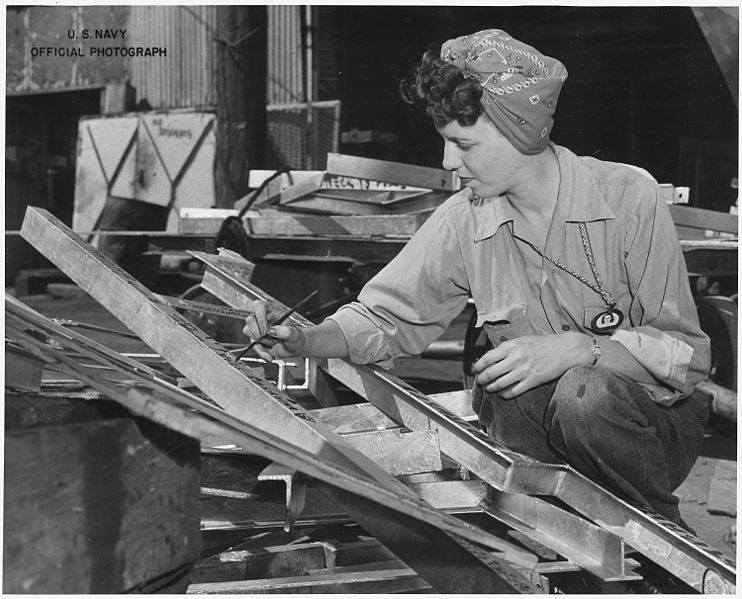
{"x":720,"y":446}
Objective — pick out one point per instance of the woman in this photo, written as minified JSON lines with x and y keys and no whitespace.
{"x":576,"y":272}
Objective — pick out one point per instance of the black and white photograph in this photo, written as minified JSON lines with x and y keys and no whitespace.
{"x":371,"y":298}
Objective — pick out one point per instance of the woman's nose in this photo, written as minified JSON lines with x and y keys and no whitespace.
{"x":451,"y":160}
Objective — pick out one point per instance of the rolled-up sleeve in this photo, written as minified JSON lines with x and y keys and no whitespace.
{"x":412,"y":300}
{"x":665,"y":338}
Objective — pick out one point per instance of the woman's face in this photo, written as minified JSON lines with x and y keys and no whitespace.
{"x":481,"y":156}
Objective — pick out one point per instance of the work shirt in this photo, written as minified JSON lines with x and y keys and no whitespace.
{"x":469,"y":247}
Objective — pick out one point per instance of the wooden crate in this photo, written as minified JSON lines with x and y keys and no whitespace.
{"x":96,"y":501}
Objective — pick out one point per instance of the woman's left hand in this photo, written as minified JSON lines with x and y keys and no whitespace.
{"x":521,"y":364}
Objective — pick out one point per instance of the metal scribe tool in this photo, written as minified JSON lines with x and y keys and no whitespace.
{"x":279,"y":321}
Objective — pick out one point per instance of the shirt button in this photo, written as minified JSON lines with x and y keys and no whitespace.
{"x":565,"y":327}
{"x":503,"y":338}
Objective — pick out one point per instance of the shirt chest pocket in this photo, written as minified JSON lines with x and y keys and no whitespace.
{"x":506,"y":322}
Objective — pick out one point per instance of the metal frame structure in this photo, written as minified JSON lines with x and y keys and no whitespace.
{"x":689,"y":558}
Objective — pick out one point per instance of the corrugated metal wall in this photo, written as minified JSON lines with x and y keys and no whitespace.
{"x":185,"y":77}
{"x":285,"y":64}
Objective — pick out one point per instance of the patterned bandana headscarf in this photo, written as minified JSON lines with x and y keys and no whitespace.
{"x":521,"y":85}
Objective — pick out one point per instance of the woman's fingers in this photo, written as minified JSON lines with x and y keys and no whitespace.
{"x":258,"y":322}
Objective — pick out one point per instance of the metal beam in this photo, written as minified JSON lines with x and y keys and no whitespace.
{"x":296,"y":490}
{"x":391,"y":172}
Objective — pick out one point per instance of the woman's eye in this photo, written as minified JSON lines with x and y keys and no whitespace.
{"x":463,"y":147}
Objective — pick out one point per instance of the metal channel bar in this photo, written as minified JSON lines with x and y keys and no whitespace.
{"x":690,"y":559}
{"x":587,"y":545}
{"x":237,"y":389}
{"x":213,"y":309}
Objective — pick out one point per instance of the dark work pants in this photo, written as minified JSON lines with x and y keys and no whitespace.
{"x":607,"y":427}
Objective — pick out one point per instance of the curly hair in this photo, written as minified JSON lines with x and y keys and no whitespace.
{"x":442,"y":91}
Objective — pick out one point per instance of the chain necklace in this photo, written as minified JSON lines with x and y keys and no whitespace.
{"x":608,"y":320}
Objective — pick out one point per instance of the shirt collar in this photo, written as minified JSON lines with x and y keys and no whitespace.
{"x":580,"y":198}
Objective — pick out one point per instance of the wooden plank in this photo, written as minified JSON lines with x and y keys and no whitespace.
{"x":364,"y":567}
{"x":412,"y":584}
{"x":391,"y":172}
{"x":382,"y":581}
{"x":263,"y":562}
{"x":358,"y":552}
{"x":97,"y":507}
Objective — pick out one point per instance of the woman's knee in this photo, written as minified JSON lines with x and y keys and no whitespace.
{"x":584,"y":392}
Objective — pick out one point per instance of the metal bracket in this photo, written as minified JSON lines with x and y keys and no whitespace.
{"x":296,"y":490}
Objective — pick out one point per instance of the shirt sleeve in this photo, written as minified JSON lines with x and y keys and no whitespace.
{"x":665,"y":336}
{"x":412,"y":300}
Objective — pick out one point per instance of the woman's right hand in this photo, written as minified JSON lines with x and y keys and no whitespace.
{"x":284,"y":340}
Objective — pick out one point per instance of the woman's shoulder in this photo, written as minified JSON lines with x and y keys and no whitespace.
{"x":609,"y":172}
{"x":623,"y":186}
